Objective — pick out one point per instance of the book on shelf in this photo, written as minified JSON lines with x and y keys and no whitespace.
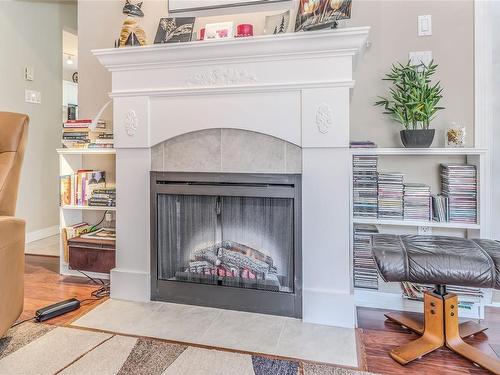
{"x":77,"y":134}
{"x":71,"y":232}
{"x":362,"y":144}
{"x":103,"y":234}
{"x":415,"y":291}
{"x":78,"y":189}
{"x":103,"y":197}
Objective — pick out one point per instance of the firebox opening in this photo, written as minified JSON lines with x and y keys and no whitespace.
{"x":236,"y":234}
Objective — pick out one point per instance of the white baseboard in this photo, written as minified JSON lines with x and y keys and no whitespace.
{"x":42,"y":233}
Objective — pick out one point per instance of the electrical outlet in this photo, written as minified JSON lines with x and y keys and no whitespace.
{"x":32,"y":96}
{"x":29,"y":73}
{"x":425,"y":25}
{"x":424,"y":231}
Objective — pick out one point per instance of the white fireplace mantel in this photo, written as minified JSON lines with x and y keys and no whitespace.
{"x":292,"y":86}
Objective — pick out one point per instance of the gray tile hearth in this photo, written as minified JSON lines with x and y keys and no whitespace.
{"x":235,"y":330}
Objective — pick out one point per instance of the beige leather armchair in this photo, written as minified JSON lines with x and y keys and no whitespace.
{"x":13,"y":137}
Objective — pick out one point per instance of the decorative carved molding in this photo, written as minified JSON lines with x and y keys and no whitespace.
{"x":324,"y":118}
{"x":130,"y":123}
{"x":222,"y":77}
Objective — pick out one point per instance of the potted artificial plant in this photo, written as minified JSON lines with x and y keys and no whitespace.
{"x":413,"y":102}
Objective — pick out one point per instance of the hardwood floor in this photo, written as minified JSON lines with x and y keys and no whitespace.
{"x":44,"y":286}
{"x":379,"y":336}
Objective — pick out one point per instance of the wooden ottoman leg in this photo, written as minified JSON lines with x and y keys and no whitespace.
{"x":455,"y":342}
{"x":433,"y":335}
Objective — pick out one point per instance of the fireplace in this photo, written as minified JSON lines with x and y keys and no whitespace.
{"x":294,"y":87}
{"x":227,"y":240}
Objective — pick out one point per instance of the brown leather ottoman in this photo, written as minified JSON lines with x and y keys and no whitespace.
{"x":441,"y":261}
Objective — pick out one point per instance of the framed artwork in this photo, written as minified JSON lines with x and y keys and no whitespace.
{"x":175,"y":30}
{"x":219,"y":30}
{"x":320,"y":14}
{"x":277,"y":24}
{"x":196,"y":5}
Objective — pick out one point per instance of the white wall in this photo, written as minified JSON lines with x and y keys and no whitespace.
{"x":393,"y":35}
{"x":32,"y":36}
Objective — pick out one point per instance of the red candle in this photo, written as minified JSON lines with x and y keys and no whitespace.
{"x":202,"y":34}
{"x":244,"y":29}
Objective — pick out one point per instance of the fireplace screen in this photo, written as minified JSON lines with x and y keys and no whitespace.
{"x":244,"y":242}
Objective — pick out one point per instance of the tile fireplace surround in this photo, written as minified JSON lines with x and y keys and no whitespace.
{"x":293,"y":87}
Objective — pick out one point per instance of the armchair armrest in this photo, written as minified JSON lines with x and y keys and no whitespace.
{"x":12,"y":241}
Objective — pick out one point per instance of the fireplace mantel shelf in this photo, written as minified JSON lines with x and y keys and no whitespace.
{"x":346,"y":41}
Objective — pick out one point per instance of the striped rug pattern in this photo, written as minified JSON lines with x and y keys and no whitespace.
{"x":40,"y":349}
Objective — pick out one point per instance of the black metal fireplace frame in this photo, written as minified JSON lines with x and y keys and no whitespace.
{"x":229,"y":184}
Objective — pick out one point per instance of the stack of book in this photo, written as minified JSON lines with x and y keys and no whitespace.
{"x":417,"y":202}
{"x":363,"y":144}
{"x":365,"y":270}
{"x":440,"y":207}
{"x":77,"y":188}
{"x":390,"y":195}
{"x":459,"y":185}
{"x":77,"y":134}
{"x":103,"y":140}
{"x":365,"y":186}
{"x":103,"y":197}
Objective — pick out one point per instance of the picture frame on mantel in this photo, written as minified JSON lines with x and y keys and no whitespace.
{"x":178,"y":6}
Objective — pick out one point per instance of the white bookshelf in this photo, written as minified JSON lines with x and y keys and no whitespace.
{"x":71,"y":160}
{"x":422,"y":165}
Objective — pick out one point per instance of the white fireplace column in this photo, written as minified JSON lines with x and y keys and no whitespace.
{"x":294,"y":87}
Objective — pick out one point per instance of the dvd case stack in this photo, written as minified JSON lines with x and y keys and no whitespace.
{"x":459,"y":185}
{"x":365,"y":186}
{"x":417,"y":202}
{"x":365,"y":271}
{"x":390,"y":195}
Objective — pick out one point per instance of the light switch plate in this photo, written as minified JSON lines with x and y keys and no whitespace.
{"x":425,"y":25}
{"x":29,"y":73}
{"x":419,"y":57}
{"x":32,"y":96}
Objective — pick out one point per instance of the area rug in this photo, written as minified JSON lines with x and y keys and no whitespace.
{"x":39,"y":349}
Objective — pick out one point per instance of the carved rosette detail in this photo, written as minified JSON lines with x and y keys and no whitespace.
{"x":130,"y":123}
{"x":222,"y":77}
{"x":324,"y":118}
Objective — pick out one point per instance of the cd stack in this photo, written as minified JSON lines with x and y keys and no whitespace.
{"x":417,"y":202}
{"x":365,"y":186}
{"x":390,"y":195}
{"x":459,"y":184}
{"x":365,"y":271}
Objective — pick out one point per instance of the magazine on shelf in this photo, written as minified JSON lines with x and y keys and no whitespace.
{"x":104,"y":234}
